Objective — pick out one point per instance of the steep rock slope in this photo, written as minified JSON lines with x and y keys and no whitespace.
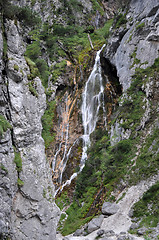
{"x":27,"y":207}
{"x":133,"y":47}
{"x":139,"y":36}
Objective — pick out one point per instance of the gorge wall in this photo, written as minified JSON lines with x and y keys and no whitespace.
{"x":27,"y":208}
{"x":46,"y":59}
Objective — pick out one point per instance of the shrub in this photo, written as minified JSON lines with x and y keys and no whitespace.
{"x":4,"y":125}
{"x":18,"y":161}
{"x":33,"y":50}
{"x":33,"y":68}
{"x":47,"y":122}
{"x":43,"y":70}
{"x":3,"y":168}
{"x":120,"y":20}
{"x":20,"y":182}
{"x":139,"y":26}
{"x":147,"y":209}
{"x":32,"y":89}
{"x":24,"y":14}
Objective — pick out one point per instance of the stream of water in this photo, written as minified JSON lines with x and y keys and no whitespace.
{"x":92,"y":100}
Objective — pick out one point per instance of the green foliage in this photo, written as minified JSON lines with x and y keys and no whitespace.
{"x":120,"y":20}
{"x":123,"y":195}
{"x":33,"y":69}
{"x":4,"y":125}
{"x":148,"y":161}
{"x":68,"y":7}
{"x":73,"y":37}
{"x":5,"y":47}
{"x":62,"y":201}
{"x":44,"y":193}
{"x":33,"y":2}
{"x":24,"y":14}
{"x":38,"y":66}
{"x":132,"y":111}
{"x":147,"y":209}
{"x":33,"y":50}
{"x":16,"y":67}
{"x":104,"y":164}
{"x":47,"y":122}
{"x":97,"y":6}
{"x":20,"y":182}
{"x":103,"y":32}
{"x":63,"y":215}
{"x":4,"y":168}
{"x":139,"y":26}
{"x":32,"y":88}
{"x":43,"y":71}
{"x":58,"y":69}
{"x":75,"y":218}
{"x":136,"y":60}
{"x":18,"y":161}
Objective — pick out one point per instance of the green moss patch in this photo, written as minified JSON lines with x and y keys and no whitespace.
{"x":147,"y":209}
{"x":20,"y":182}
{"x":32,"y":89}
{"x":18,"y":161}
{"x":47,"y":121}
{"x":4,"y":125}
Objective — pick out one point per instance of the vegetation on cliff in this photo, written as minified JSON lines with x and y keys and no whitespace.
{"x":62,"y":50}
{"x":107,"y":165}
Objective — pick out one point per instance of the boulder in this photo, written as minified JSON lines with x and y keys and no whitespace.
{"x":134,"y":226}
{"x":142,"y":231}
{"x":95,"y":223}
{"x":100,"y":232}
{"x":109,"y":208}
{"x":78,"y":232}
{"x":109,"y":233}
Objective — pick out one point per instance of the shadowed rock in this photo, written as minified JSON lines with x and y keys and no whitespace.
{"x":109,"y":208}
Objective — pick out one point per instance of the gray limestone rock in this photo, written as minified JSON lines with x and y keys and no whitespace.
{"x":142,"y":231}
{"x":27,"y":211}
{"x":140,"y":40}
{"x":78,"y":232}
{"x":109,"y":233}
{"x":109,"y":208}
{"x":121,"y":237}
{"x":100,"y":232}
{"x":95,"y":224}
{"x":134,"y":226}
{"x":108,"y":238}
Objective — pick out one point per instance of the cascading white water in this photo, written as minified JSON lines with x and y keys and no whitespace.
{"x":63,"y":139}
{"x":92,"y":98}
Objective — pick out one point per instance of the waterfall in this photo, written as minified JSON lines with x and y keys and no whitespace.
{"x":92,"y":97}
{"x":63,"y":138}
{"x":92,"y":100}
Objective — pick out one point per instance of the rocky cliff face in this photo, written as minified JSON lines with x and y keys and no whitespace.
{"x":138,"y":36}
{"x":123,"y":152}
{"x":27,"y":207}
{"x":135,"y":46}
